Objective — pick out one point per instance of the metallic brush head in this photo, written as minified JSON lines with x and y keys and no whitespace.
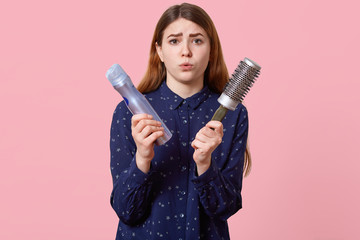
{"x":239,"y":84}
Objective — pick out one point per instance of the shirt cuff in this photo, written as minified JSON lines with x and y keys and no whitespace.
{"x":137,"y":176}
{"x":208,"y":176}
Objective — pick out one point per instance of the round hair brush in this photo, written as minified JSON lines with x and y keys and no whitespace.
{"x":238,"y":86}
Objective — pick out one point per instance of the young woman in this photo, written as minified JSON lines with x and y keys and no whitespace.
{"x":188,"y":187}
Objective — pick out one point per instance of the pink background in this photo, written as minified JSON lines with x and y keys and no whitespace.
{"x":56,"y":109}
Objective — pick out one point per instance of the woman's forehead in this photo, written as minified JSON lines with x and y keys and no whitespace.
{"x":183,"y":26}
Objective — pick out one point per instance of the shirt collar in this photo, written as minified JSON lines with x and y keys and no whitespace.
{"x":174,"y":101}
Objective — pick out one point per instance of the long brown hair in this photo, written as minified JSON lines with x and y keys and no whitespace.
{"x":216,"y":74}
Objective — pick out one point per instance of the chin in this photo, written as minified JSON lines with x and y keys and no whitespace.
{"x":188,"y":77}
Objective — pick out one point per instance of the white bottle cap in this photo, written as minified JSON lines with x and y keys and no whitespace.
{"x":116,"y":75}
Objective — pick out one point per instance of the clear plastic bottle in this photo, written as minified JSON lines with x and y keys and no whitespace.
{"x":135,"y":101}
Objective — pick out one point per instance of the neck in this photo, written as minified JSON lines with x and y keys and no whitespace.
{"x":185,"y":90}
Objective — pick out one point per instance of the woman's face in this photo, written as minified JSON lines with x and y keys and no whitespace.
{"x":185,"y":51}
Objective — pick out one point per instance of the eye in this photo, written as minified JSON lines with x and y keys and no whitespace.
{"x":198,"y":41}
{"x":173,"y":41}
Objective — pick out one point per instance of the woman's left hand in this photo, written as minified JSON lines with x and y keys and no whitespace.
{"x":205,"y":142}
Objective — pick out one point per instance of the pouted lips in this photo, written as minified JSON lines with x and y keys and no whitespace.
{"x":186,"y":66}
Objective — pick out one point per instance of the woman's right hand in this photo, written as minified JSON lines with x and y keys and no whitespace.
{"x":145,"y":131}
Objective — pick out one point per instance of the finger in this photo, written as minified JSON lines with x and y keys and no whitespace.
{"x":200,"y":146}
{"x":138,"y":117}
{"x":217,"y":126}
{"x":153,"y":137}
{"x":203,"y":137}
{"x":208,"y":142}
{"x":209,"y":132}
{"x":148,"y":141}
{"x":140,"y":135}
{"x":195,"y":144}
{"x":149,"y":130}
{"x":139,"y":127}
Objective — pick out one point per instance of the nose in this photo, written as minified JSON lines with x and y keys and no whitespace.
{"x":186,"y":51}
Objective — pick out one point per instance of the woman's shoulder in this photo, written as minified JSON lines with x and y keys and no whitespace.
{"x":241,"y":110}
{"x":236,"y":117}
{"x":121,"y":110}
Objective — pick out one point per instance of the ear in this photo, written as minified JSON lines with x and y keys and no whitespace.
{"x":159,"y":51}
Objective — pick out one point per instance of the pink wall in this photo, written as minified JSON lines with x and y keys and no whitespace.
{"x":56,"y":108}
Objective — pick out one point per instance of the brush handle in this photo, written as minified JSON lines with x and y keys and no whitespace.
{"x":220,"y":113}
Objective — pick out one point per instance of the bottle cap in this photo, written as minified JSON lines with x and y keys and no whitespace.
{"x":116,"y":75}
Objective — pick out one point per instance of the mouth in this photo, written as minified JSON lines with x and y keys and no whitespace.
{"x":186,"y":66}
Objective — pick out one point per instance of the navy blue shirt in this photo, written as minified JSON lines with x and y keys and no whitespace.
{"x":171,"y":201}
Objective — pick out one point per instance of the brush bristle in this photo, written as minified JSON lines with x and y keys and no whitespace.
{"x":242,"y":80}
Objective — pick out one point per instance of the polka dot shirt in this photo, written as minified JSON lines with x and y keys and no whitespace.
{"x":171,"y":201}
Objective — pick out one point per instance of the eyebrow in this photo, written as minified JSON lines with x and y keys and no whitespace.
{"x":195,"y":34}
{"x":190,"y":35}
{"x":175,"y":35}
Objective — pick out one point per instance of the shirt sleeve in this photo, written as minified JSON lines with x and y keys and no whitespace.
{"x":219,"y":189}
{"x":131,"y":187}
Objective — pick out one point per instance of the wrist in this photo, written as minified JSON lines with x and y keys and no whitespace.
{"x":142,"y":164}
{"x":202,"y":167}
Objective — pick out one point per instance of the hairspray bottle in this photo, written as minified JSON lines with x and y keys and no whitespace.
{"x":135,"y":101}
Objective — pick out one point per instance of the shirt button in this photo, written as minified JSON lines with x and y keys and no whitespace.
{"x":182,"y":215}
{"x":183,"y":192}
{"x":184,"y":144}
{"x":185,"y":122}
{"x":183,"y":168}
